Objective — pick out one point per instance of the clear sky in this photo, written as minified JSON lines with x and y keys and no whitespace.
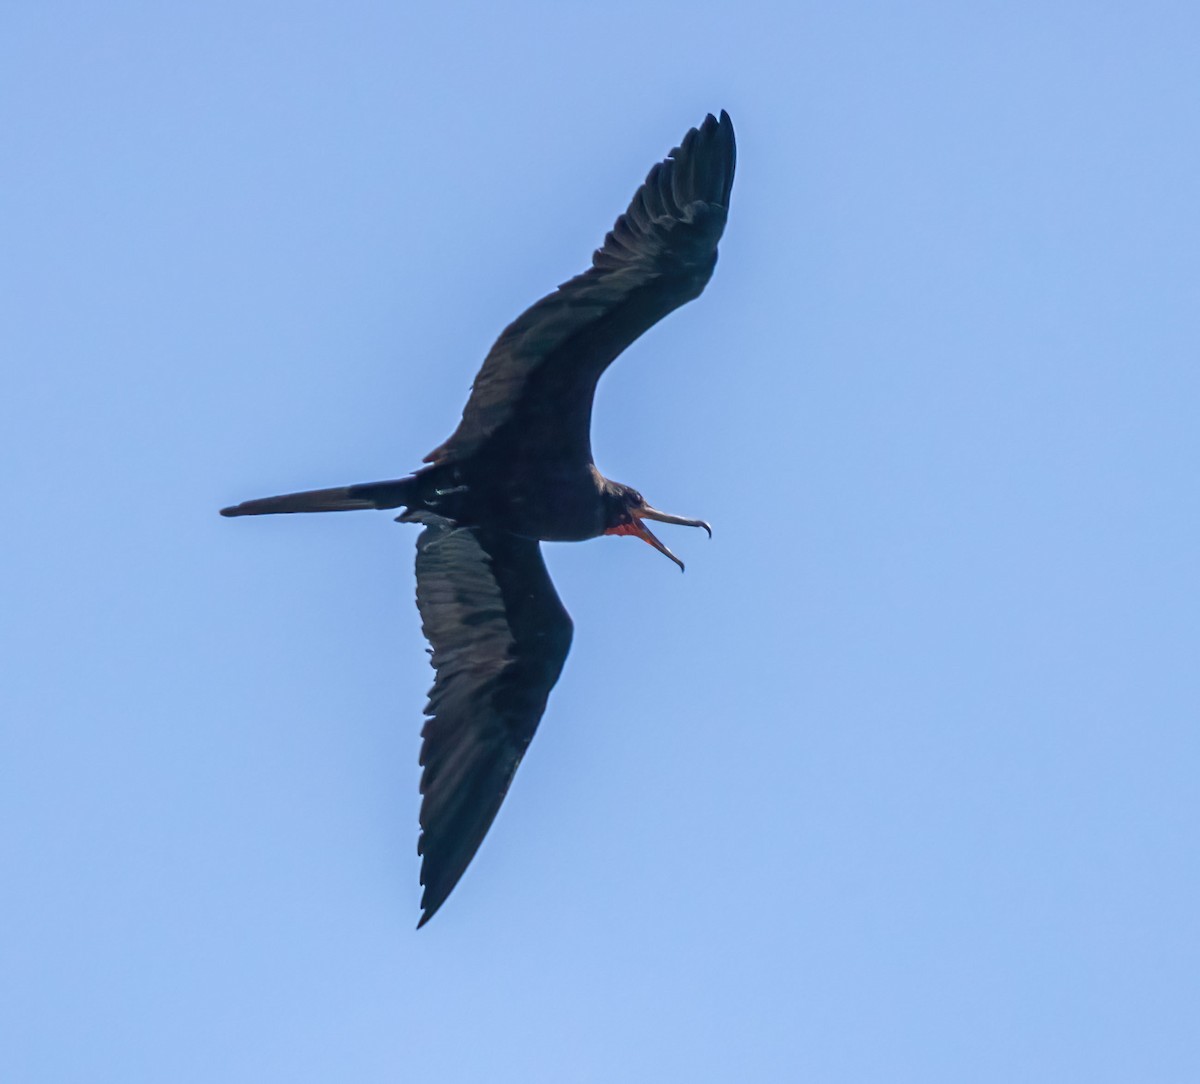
{"x":897,"y":783}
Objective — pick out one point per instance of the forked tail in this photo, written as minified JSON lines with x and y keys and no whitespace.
{"x":390,"y":494}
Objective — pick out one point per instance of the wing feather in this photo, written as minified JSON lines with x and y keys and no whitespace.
{"x":532,"y":399}
{"x":499,"y":636}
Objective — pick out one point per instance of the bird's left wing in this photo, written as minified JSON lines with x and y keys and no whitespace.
{"x":532,"y":399}
{"x":499,"y":636}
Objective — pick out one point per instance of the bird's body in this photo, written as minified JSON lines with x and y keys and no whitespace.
{"x":517,"y":471}
{"x":546,"y":501}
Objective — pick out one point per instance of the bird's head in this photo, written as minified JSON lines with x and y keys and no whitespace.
{"x":626,"y":511}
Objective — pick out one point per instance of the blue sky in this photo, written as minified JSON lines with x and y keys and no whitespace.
{"x":897,"y":783}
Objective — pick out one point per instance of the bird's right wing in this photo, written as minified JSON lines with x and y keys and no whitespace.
{"x":499,"y":637}
{"x":532,"y":399}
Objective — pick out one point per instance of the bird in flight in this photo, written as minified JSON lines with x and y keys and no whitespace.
{"x":518,"y":471}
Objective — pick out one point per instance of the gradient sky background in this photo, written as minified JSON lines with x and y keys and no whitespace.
{"x":897,"y":783}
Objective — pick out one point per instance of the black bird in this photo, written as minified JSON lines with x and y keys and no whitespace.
{"x":518,"y":470}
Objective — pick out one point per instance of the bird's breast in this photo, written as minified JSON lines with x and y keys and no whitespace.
{"x":552,"y":503}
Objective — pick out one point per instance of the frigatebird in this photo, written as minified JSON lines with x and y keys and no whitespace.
{"x":518,"y":471}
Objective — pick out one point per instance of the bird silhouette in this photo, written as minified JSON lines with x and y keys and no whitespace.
{"x":518,"y":471}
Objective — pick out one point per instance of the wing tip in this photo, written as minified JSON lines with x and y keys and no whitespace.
{"x":431,"y":900}
{"x":705,"y":160}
